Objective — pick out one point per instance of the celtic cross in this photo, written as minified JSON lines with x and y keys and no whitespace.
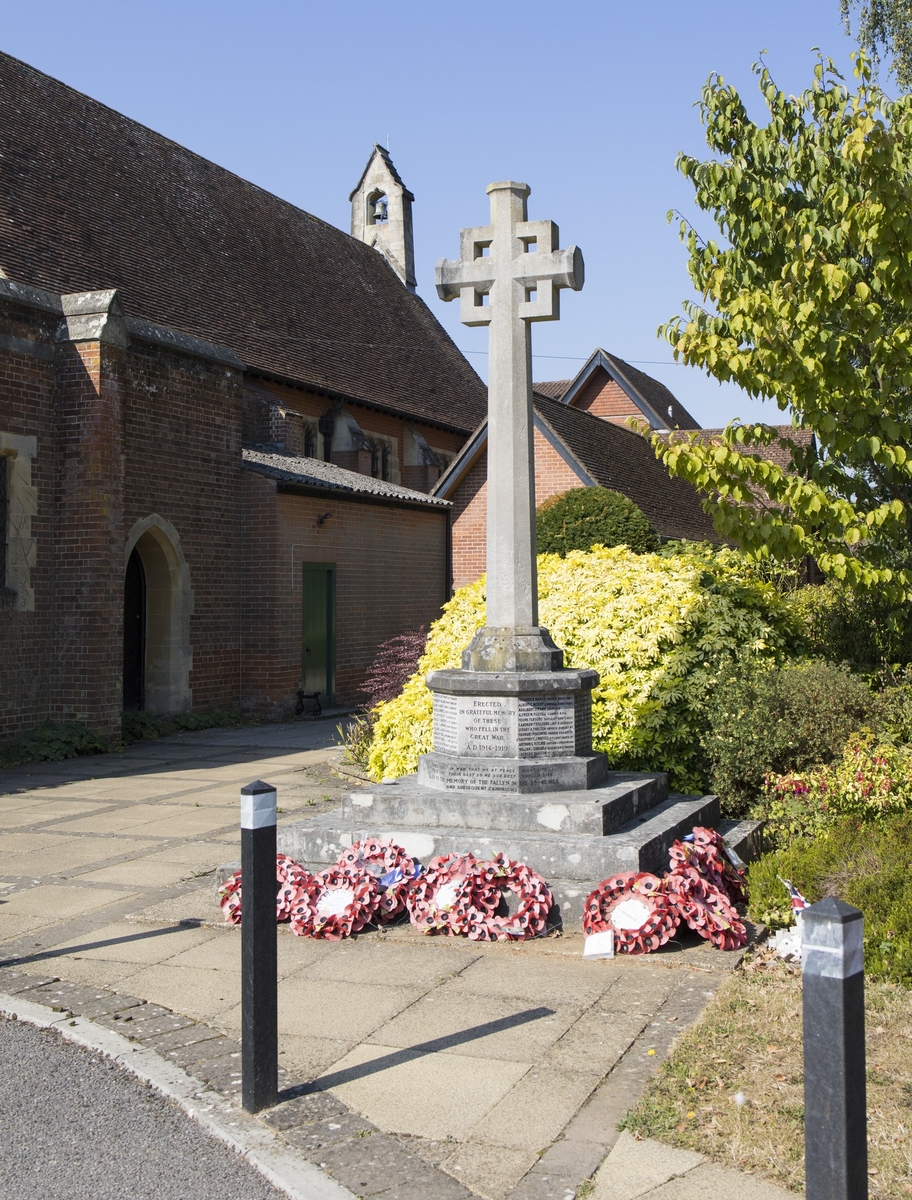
{"x":509,"y":274}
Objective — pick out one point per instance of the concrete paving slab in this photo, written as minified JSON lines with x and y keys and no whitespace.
{"x":709,"y":1179}
{"x":197,"y":904}
{"x":383,"y":962}
{"x":71,"y":854}
{"x":432,"y":1096}
{"x":18,"y":812}
{"x":307,"y":1057}
{"x":15,"y":844}
{"x":140,"y":873}
{"x":203,"y":995}
{"x":594,"y":1043}
{"x":93,"y":971}
{"x":125,"y":818}
{"x":490,"y":1171}
{"x":199,"y":854}
{"x":124,"y":942}
{"x":488,"y":1027}
{"x":59,"y":901}
{"x":533,"y":1114}
{"x":12,"y":926}
{"x":637,"y":1167}
{"x":506,"y":973}
{"x":336,"y":1009}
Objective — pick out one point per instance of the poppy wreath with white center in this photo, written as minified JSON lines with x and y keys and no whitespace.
{"x":452,"y":887}
{"x":634,"y":905}
{"x":705,"y":907}
{"x":530,"y":918}
{"x":290,"y":878}
{"x":335,"y":904}
{"x":394,"y":870}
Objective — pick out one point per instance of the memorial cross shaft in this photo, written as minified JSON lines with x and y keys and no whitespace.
{"x":508,"y":275}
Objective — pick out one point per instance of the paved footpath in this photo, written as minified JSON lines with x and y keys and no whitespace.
{"x":412,"y":1067}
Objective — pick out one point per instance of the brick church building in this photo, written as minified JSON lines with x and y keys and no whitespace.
{"x":237,"y":451}
{"x":220,"y":421}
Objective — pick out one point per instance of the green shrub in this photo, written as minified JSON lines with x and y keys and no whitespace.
{"x":659,"y":630}
{"x":865,"y":631}
{"x":872,"y":782}
{"x":143,"y":727}
{"x":776,"y":719}
{"x":865,"y":865}
{"x":588,"y":516}
{"x":53,"y":742}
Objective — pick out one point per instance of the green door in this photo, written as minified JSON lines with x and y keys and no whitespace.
{"x":318,"y":634}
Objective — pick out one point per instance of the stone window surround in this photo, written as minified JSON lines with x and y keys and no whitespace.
{"x":17,"y":541}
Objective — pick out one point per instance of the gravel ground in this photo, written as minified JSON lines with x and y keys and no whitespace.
{"x":75,"y":1126}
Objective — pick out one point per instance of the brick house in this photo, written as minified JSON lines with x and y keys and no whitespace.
{"x":581,"y":440}
{"x":220,"y":421}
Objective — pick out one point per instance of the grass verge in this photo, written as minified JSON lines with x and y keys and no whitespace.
{"x":749,"y":1042}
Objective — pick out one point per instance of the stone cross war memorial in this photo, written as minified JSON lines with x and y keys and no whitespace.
{"x":512,"y":767}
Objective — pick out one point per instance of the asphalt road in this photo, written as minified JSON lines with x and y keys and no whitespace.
{"x":76,"y":1126}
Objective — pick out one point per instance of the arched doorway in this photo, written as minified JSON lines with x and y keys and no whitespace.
{"x":157,"y":606}
{"x":134,"y":643}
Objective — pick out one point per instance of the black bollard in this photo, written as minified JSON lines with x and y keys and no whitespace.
{"x":835,"y":1105}
{"x":259,"y":962}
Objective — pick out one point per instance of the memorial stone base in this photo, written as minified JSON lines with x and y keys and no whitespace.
{"x":512,"y":731}
{"x":574,"y":838}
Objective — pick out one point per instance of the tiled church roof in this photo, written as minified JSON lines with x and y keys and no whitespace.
{"x":90,"y":199}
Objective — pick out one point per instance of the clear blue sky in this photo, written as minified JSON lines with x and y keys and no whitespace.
{"x":588,"y":101}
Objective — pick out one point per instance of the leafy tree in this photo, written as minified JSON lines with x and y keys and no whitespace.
{"x":885,"y":25}
{"x":587,"y":516}
{"x":808,"y":301}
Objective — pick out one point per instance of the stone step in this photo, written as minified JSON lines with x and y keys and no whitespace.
{"x":642,"y":844}
{"x":405,"y":802}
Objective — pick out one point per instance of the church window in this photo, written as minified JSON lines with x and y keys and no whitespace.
{"x":18,"y":504}
{"x":385,"y":463}
{"x":375,"y":461}
{"x":482,"y":249}
{"x":310,"y":441}
{"x":530,"y":245}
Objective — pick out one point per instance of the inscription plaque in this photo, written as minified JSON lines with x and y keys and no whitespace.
{"x":446,"y":709}
{"x":487,"y":726}
{"x":546,"y":726}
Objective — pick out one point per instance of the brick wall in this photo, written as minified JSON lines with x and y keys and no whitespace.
{"x":391,"y":566}
{"x":183,"y":448}
{"x":127,"y":436}
{"x":470,"y":507}
{"x":606,"y":399}
{"x":27,"y":411}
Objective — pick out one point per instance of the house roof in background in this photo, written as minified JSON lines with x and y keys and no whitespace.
{"x":775,"y":453}
{"x":314,"y":472}
{"x":658,"y":404}
{"x":608,"y":455}
{"x":90,"y":199}
{"x":619,"y":459}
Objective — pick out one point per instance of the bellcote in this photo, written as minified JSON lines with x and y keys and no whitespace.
{"x":382,"y":215}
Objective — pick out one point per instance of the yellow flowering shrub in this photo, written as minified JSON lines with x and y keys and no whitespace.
{"x":657,"y":627}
